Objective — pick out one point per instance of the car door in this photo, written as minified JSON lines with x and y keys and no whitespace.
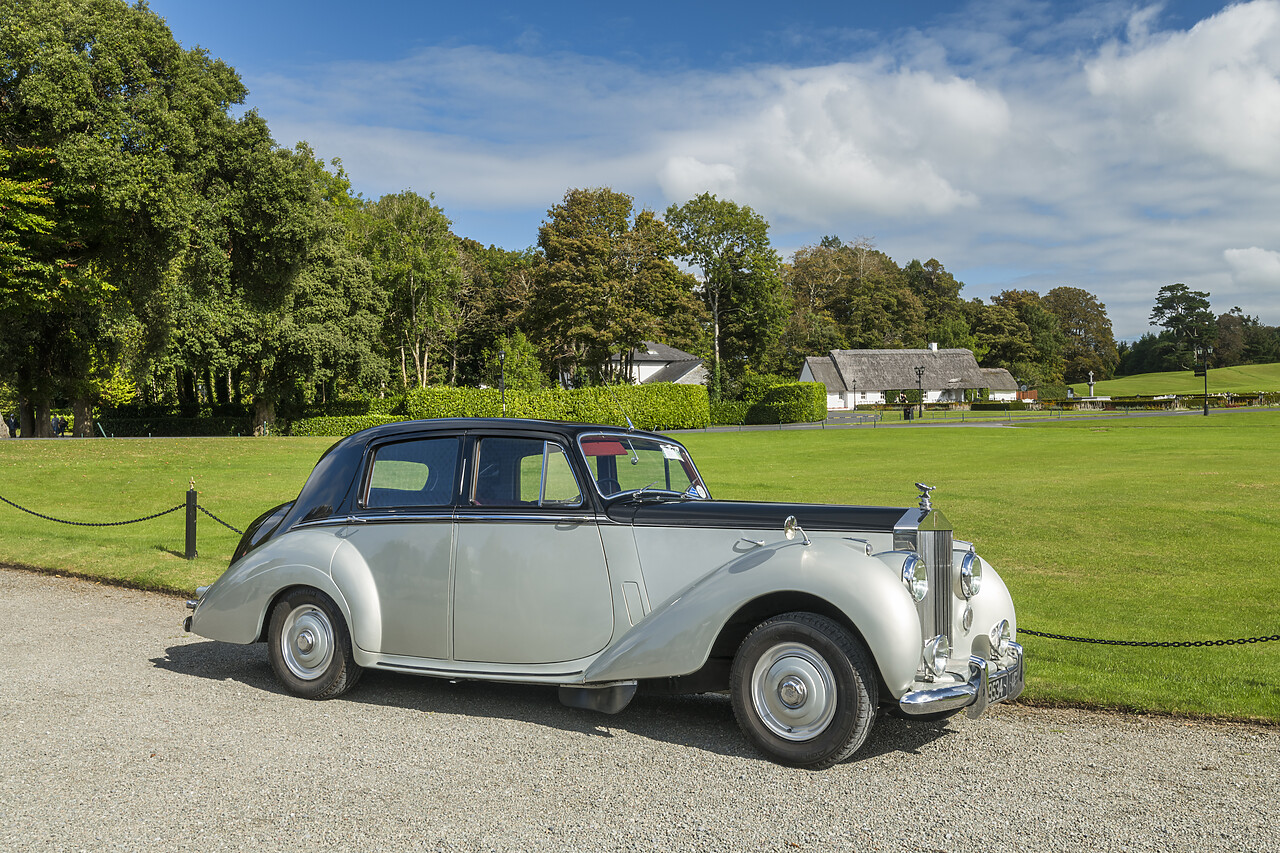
{"x":403,"y":531}
{"x":530,"y":581}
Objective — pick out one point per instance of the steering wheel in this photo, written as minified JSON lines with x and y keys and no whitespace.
{"x":608,"y":486}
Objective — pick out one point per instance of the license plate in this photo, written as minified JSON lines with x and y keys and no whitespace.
{"x":1003,"y":684}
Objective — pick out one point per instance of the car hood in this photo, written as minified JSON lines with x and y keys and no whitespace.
{"x":756,"y":515}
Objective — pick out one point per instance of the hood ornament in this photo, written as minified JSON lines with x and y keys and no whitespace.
{"x":925,"y":503}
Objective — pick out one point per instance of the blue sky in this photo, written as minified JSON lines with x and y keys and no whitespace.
{"x":1112,"y":146}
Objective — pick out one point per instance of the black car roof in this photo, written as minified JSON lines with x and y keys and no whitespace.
{"x":335,"y":472}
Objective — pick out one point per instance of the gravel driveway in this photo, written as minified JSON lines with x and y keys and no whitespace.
{"x":120,"y":732}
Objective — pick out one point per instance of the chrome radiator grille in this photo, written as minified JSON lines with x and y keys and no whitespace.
{"x":935,"y":550}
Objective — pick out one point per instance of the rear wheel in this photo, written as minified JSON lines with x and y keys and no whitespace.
{"x":803,"y":690}
{"x":310,"y":647}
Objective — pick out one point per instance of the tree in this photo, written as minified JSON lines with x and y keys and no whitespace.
{"x":514,"y":361}
{"x":1090,"y":344}
{"x":415,"y":260}
{"x":1185,"y":312}
{"x":604,"y":284}
{"x":124,"y":114}
{"x":1044,"y":337}
{"x":492,"y":303}
{"x":937,"y":289}
{"x":740,"y":283}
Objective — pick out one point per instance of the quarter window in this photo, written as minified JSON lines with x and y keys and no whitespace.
{"x":414,"y":473}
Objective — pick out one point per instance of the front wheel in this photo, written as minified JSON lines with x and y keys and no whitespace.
{"x":803,"y":690}
{"x":309,"y":646}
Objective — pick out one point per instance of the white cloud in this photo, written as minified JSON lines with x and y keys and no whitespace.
{"x":1254,"y":267}
{"x":1119,"y":165}
{"x":1213,"y":90}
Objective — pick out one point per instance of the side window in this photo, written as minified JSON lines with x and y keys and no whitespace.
{"x":524,"y":472}
{"x":414,"y":473}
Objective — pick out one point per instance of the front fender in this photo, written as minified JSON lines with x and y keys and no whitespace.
{"x":234,"y":608}
{"x":677,"y":637}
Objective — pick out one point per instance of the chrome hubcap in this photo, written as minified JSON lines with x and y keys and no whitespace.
{"x":306,"y":642}
{"x":794,"y":691}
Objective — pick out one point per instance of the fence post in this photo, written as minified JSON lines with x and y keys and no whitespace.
{"x":191,"y":520}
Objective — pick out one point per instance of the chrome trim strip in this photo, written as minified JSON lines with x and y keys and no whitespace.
{"x":528,"y":519}
{"x":374,"y":519}
{"x":540,"y":677}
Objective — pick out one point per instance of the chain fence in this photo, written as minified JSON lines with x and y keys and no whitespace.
{"x":1162,"y":644}
{"x":151,"y":517}
{"x":92,"y":523}
{"x":235,"y":530}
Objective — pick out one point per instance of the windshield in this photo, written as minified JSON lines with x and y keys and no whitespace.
{"x":622,"y":463}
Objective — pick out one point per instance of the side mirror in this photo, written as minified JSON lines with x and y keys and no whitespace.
{"x":791,"y":528}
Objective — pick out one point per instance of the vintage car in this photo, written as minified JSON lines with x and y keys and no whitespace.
{"x":595,"y":559}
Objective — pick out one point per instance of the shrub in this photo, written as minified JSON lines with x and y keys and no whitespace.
{"x":796,"y":402}
{"x":1010,"y":406}
{"x":175,"y":426}
{"x":729,"y":412}
{"x":340,"y":425}
{"x":660,"y":406}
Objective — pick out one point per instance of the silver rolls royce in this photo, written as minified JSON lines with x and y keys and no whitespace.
{"x":595,"y":559}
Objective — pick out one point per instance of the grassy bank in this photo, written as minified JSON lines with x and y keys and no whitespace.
{"x":1245,"y":379}
{"x":1141,"y":529}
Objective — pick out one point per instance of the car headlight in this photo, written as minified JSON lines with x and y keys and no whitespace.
{"x":915,"y":577}
{"x":1000,"y":635}
{"x":937,"y":654}
{"x":970,"y":575}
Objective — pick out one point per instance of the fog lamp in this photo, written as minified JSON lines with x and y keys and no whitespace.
{"x":937,"y":654}
{"x":1000,"y":635}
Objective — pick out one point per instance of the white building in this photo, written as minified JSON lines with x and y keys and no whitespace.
{"x":655,"y":362}
{"x":867,"y":376}
{"x":1001,"y":384}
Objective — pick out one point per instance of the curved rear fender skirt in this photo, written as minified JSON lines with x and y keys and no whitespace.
{"x":234,"y":608}
{"x":352,"y":575}
{"x":676,"y":638}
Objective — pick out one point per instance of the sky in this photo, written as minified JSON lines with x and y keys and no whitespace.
{"x":1113,"y":146}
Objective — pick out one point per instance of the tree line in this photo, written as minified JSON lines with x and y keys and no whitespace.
{"x":158,"y":247}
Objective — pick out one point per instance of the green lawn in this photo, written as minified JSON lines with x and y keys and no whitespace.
{"x":1245,"y":379}
{"x":1143,"y":528}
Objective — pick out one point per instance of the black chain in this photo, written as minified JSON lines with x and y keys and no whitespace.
{"x":220,"y":521}
{"x":90,"y":523}
{"x":1154,"y":643}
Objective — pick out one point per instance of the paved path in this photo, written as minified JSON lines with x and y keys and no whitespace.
{"x":120,"y":732}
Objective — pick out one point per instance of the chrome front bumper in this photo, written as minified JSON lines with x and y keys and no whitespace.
{"x":987,"y":685}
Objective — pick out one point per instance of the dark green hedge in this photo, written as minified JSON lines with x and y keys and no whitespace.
{"x":354,"y":408}
{"x":794,"y":403}
{"x":1010,"y":406}
{"x":339,"y":425}
{"x":174,"y":426}
{"x":661,"y":406}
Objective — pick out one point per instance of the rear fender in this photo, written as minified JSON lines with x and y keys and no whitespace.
{"x":234,"y":609}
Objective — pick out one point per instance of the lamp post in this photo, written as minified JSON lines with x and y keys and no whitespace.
{"x":920,"y":388}
{"x":502,"y":379}
{"x":1202,"y":355}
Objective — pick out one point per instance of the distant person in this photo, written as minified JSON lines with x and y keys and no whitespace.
{"x":12,"y":423}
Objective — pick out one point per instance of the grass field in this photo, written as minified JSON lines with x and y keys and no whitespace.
{"x":1237,"y":380}
{"x":1142,"y":528}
